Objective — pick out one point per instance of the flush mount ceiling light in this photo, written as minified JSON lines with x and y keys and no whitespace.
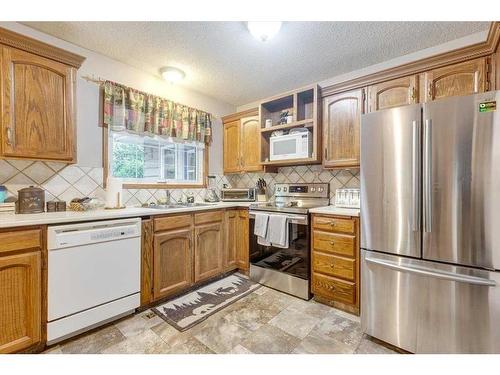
{"x":264,"y":30}
{"x":171,"y":74}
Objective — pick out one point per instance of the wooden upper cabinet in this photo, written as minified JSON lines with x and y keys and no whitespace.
{"x":232,"y":162}
{"x":38,"y":114}
{"x":172,"y":262}
{"x":20,"y":301}
{"x":37,"y":99}
{"x":394,"y":93}
{"x":241,"y":142}
{"x":250,"y":152}
{"x":208,"y":250}
{"x":341,"y":120}
{"x":455,"y":80}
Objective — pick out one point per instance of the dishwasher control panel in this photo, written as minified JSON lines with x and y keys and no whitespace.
{"x":64,"y":236}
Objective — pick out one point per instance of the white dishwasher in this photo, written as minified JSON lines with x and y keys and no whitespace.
{"x":93,"y":275}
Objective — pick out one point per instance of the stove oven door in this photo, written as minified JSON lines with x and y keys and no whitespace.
{"x":286,"y":269}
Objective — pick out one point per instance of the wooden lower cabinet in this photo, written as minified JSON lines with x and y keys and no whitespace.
{"x":191,"y":248}
{"x":242,"y":241}
{"x":209,"y":244}
{"x":172,"y":260}
{"x":335,"y":261}
{"x":20,"y":290}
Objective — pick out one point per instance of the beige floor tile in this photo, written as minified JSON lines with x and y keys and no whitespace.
{"x":170,"y":335}
{"x":220,"y":335}
{"x":240,"y":349}
{"x":53,"y":350}
{"x":312,"y":308}
{"x":369,"y":346}
{"x":93,"y":342}
{"x":320,"y":345}
{"x":270,"y":340}
{"x":339,"y":328}
{"x":138,"y":323}
{"x":294,"y":322}
{"x":190,"y":346}
{"x":146,"y":342}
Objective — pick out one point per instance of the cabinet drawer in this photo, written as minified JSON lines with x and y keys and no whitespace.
{"x":333,"y":289}
{"x":172,"y":222}
{"x":334,"y":224}
{"x":20,"y":240}
{"x":208,"y":217}
{"x":334,"y":243}
{"x":334,"y":266}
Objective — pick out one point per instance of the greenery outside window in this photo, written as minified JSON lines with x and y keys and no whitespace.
{"x":148,"y":160}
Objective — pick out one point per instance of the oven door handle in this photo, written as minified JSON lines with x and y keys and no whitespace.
{"x":294,"y":219}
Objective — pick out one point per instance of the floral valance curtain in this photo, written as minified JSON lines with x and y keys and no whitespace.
{"x":138,"y":112}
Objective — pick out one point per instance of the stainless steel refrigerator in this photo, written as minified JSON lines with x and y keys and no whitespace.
{"x":430,"y":219}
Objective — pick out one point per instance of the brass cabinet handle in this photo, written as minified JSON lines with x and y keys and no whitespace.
{"x":332,"y":223}
{"x":430,"y":91}
{"x":413,"y":94}
{"x":332,"y":243}
{"x":8,"y":132}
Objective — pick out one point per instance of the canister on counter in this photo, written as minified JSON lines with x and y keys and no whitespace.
{"x":51,"y":206}
{"x":60,"y":206}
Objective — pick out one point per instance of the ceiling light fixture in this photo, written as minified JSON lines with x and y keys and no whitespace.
{"x":264,"y":30}
{"x":171,"y":74}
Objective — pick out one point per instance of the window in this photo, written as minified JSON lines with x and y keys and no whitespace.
{"x":141,"y":159}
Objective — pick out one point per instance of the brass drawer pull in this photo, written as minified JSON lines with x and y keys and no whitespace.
{"x":332,"y":223}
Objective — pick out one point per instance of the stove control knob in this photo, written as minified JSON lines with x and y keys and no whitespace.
{"x":320,"y":189}
{"x":313,"y":189}
{"x":279,"y":189}
{"x":285,"y":188}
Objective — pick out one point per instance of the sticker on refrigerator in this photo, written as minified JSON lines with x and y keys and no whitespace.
{"x":488,"y":106}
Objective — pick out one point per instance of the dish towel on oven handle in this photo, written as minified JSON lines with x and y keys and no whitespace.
{"x":261,"y":229}
{"x":278,"y":233}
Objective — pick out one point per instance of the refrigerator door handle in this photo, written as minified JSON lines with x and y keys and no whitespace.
{"x":427,"y":175}
{"x":424,"y":271}
{"x":416,"y":177}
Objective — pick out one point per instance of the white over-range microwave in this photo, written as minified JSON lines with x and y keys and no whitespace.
{"x":290,"y":146}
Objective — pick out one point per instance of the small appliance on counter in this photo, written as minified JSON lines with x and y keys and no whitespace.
{"x":211,"y":193}
{"x":347,"y":198}
{"x":30,"y":200}
{"x":238,"y":195}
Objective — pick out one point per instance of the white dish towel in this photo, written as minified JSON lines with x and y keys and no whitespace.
{"x":277,"y":229}
{"x":261,"y":229}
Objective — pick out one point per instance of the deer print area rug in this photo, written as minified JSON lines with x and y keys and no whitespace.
{"x":190,"y":309}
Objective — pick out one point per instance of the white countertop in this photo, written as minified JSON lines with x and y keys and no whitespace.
{"x":333,"y":210}
{"x":8,"y":220}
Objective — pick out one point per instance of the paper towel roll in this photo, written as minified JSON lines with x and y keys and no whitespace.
{"x":114,"y":193}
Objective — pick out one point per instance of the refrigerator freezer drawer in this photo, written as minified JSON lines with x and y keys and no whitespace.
{"x":428,"y":307}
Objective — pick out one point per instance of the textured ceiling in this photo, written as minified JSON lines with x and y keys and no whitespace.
{"x":223,"y":60}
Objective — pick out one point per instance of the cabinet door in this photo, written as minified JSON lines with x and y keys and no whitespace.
{"x":172,"y":262}
{"x":230,"y":248}
{"x":341,"y":119}
{"x":20,"y":301}
{"x":209,"y":242}
{"x":394,"y":93}
{"x":456,"y":80}
{"x":232,"y":161}
{"x":37,"y":107}
{"x":250,"y":152}
{"x":242,"y":241}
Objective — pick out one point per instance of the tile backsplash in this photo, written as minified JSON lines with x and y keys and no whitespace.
{"x":65,"y":182}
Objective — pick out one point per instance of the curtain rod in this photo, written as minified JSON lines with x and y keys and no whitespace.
{"x":99,"y":81}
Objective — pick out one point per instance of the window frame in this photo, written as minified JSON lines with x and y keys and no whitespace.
{"x":151,"y":185}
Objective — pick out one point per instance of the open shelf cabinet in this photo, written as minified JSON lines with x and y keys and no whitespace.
{"x":302,"y":106}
